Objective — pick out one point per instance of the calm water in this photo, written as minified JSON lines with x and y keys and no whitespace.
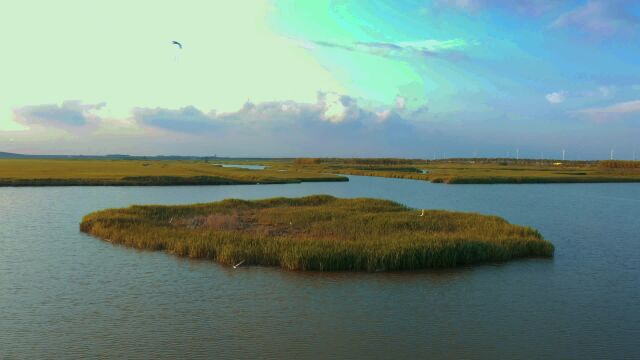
{"x":243,"y":166}
{"x":64,"y":294}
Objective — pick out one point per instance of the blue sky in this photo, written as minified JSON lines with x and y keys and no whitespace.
{"x":411,"y":78}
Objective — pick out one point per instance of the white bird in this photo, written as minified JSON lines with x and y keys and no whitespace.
{"x":238,"y":264}
{"x":422,"y":213}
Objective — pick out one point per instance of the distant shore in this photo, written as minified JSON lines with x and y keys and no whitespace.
{"x":119,"y":172}
{"x":83,"y":172}
{"x":481,"y":171}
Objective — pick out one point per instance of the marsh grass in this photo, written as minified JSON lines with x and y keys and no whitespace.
{"x":318,"y":232}
{"x":620,"y":164}
{"x":57,"y":172}
{"x":481,"y":171}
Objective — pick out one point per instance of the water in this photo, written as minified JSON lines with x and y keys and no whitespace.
{"x":64,"y":294}
{"x":243,"y":166}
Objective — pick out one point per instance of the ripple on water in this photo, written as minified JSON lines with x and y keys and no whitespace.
{"x":65,"y":294}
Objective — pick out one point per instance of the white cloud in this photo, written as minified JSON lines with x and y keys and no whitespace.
{"x":334,"y":110}
{"x":384,"y":115}
{"x":556,"y":97}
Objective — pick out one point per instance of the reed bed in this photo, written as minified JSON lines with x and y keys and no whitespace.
{"x":318,"y":233}
{"x":482,"y":171}
{"x":75,"y":172}
{"x":620,"y":164}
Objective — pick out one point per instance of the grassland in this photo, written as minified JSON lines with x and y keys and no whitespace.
{"x":56,"y":172}
{"x":320,"y":233}
{"x":481,"y":171}
{"x":51,"y":172}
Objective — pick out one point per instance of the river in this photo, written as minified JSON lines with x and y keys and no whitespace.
{"x":64,"y":294}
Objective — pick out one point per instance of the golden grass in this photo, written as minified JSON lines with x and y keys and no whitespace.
{"x":33,"y":172}
{"x":25,"y":172}
{"x":320,"y":233}
{"x":469,"y":171}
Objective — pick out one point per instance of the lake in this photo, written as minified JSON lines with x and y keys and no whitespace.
{"x":64,"y":294}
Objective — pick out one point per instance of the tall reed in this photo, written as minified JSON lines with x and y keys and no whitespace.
{"x":318,"y":233}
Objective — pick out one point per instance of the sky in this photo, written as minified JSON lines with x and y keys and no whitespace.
{"x":257,"y":78}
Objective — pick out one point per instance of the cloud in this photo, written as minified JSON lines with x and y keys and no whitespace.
{"x":524,"y":7}
{"x":407,"y":49}
{"x":601,"y":18}
{"x":612,"y":112}
{"x":333,"y":45}
{"x":384,"y":115}
{"x":329,"y":107}
{"x":187,"y":119}
{"x":556,"y":97}
{"x":420,"y":112}
{"x":70,"y":114}
{"x":332,"y":125}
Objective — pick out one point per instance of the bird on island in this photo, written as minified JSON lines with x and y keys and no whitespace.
{"x":238,"y":264}
{"x":422,"y":214}
{"x":177,"y":43}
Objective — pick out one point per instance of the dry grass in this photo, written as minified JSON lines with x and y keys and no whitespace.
{"x":483,"y":171}
{"x":43,"y":172}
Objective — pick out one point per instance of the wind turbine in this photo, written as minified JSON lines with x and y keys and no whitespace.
{"x":562,"y":154}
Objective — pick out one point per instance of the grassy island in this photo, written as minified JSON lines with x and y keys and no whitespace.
{"x":319,"y":233}
{"x":78,"y":172}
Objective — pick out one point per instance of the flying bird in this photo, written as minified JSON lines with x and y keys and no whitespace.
{"x":177,"y":43}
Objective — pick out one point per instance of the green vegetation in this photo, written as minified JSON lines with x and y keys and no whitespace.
{"x":481,"y":171}
{"x":320,"y":233}
{"x":57,"y":172}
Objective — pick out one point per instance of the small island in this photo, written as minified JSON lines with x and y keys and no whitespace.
{"x":318,"y":233}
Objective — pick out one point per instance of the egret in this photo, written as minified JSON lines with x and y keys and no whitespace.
{"x":422,"y":214}
{"x":238,"y":264}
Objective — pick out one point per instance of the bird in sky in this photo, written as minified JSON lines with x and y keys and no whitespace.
{"x":177,"y":43}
